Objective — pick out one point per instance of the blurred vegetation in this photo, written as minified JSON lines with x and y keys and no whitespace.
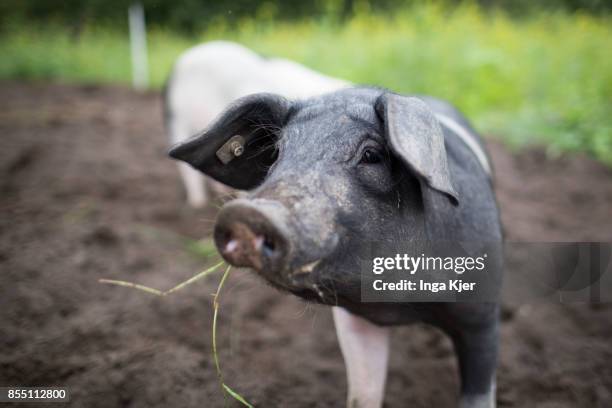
{"x":204,"y":249}
{"x":193,"y":16}
{"x":527,"y":75}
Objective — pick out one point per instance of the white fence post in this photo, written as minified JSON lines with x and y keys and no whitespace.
{"x":138,"y":46}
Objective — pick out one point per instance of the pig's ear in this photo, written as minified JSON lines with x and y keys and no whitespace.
{"x":239,"y":147}
{"x":415,"y":136}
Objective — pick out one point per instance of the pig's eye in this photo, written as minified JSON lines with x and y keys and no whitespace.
{"x":370,"y":156}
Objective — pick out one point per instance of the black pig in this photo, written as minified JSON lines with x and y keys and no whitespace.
{"x":329,"y":174}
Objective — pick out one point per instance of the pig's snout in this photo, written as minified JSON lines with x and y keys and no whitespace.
{"x":252,"y":233}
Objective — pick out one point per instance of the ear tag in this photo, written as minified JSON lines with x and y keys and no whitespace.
{"x":231,"y":149}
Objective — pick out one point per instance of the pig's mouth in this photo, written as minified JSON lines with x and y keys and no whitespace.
{"x":303,"y":282}
{"x":308,"y":283}
{"x":309,"y":294}
{"x":304,"y":270}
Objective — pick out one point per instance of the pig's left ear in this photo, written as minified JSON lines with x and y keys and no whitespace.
{"x":415,"y":136}
{"x":239,"y":147}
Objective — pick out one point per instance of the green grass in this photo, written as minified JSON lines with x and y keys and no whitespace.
{"x":157,"y":292}
{"x":202,"y":249}
{"x":546,"y":78}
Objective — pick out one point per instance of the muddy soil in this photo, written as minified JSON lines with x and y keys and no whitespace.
{"x":87,"y":193}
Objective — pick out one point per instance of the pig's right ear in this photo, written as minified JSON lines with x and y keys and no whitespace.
{"x":239,"y":147}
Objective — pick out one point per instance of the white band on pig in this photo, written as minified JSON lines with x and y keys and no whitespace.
{"x":467,"y":138}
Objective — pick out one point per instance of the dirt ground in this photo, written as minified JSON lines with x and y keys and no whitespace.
{"x":87,"y":193}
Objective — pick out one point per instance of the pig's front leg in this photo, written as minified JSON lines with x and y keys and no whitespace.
{"x":365,"y":348}
{"x":194,"y":186}
{"x":477,"y":353}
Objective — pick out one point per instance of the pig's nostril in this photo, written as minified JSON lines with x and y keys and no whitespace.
{"x":247,"y":236}
{"x":269,"y":243}
{"x":268,"y":246}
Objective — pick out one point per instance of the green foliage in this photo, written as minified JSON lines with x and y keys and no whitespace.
{"x":191,"y":16}
{"x":546,"y":77}
{"x":204,"y":248}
